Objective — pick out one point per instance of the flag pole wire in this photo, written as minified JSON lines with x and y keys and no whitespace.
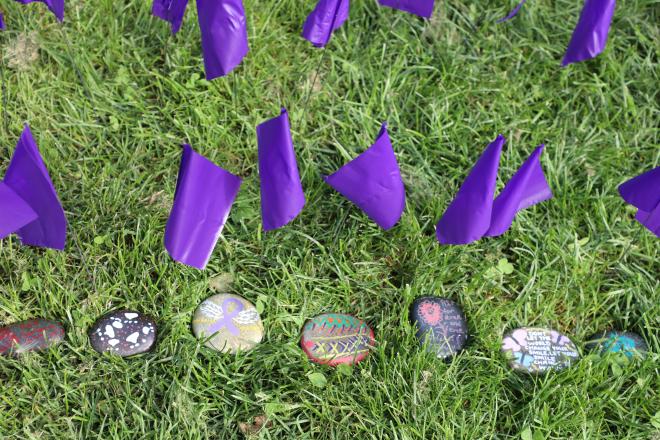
{"x":75,"y":66}
{"x":5,"y":122}
{"x":321,"y":58}
{"x":636,"y":237}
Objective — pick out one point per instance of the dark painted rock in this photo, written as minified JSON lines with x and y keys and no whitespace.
{"x":232,"y":320}
{"x":536,"y":350}
{"x":440,"y":325}
{"x":30,"y":335}
{"x":614,"y":341}
{"x":335,"y":338}
{"x":124,"y":333}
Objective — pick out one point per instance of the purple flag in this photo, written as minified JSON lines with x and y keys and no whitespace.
{"x":423,"y":8}
{"x":643,"y":192}
{"x":55,"y":6}
{"x":16,"y":213}
{"x":590,"y":34}
{"x":526,"y":188}
{"x":468,"y":216}
{"x":224,"y":35}
{"x":513,"y":13}
{"x":171,"y":11}
{"x":373,"y":182}
{"x":327,"y":16}
{"x":202,"y":200}
{"x":28,"y":185}
{"x":2,"y":22}
{"x":282,"y":196}
{"x":651,"y":220}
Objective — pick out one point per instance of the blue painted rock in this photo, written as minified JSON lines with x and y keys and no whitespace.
{"x":30,"y":335}
{"x":537,"y":350}
{"x":335,"y":338}
{"x":228,"y":323}
{"x":614,"y":341}
{"x":124,"y":333}
{"x":441,"y":325}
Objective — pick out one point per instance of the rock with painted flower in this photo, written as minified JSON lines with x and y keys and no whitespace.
{"x":30,"y":335}
{"x":228,"y":323}
{"x":124,"y":333}
{"x":537,"y":350}
{"x":336,"y":338}
{"x":441,"y":325}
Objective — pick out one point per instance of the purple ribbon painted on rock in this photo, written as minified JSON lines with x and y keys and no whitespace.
{"x":226,"y":320}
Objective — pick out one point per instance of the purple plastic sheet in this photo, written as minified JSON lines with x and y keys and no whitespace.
{"x":224,"y":35}
{"x":171,"y":11}
{"x":526,"y":188}
{"x":423,"y":8}
{"x":28,"y":199}
{"x":643,"y":192}
{"x":282,"y":196}
{"x":513,"y":13}
{"x":590,"y":34}
{"x":372,"y":181}
{"x":202,"y":200}
{"x":468,"y":216}
{"x":55,"y":6}
{"x":327,"y":16}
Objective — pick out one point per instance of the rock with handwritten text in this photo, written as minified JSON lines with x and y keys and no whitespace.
{"x":124,"y":333}
{"x":336,"y":338}
{"x":537,"y":350}
{"x":441,"y":325}
{"x":228,"y":323}
{"x":29,"y":335}
{"x":628,"y":344}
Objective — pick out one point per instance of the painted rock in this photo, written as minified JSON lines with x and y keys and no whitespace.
{"x":614,"y":341}
{"x":228,"y":323}
{"x":30,"y":335}
{"x":335,"y":338}
{"x":536,"y":350}
{"x":124,"y":333}
{"x":441,"y":325}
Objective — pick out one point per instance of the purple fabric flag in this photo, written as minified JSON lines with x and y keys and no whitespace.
{"x":327,"y":16}
{"x":643,"y":192}
{"x":527,"y":187}
{"x":28,"y":180}
{"x":202,"y":200}
{"x":171,"y":11}
{"x":282,"y":196}
{"x":423,"y":8}
{"x":16,"y":213}
{"x":373,"y":182}
{"x":468,"y":216}
{"x":513,"y":13}
{"x":590,"y":34}
{"x":224,"y":35}
{"x":55,"y":6}
{"x":650,"y":220}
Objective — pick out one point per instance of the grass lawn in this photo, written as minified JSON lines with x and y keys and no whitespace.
{"x":446,"y":87}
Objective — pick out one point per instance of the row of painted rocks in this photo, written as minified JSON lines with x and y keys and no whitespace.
{"x":229,"y":323}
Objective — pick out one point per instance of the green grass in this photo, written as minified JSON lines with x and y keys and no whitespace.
{"x":446,"y":87}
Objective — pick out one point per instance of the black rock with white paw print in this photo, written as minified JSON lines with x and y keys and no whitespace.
{"x":124,"y":333}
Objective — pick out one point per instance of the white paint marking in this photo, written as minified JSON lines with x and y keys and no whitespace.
{"x":130,"y":315}
{"x":109,"y":331}
{"x":113,"y":342}
{"x":133,"y":337}
{"x":117,"y":324}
